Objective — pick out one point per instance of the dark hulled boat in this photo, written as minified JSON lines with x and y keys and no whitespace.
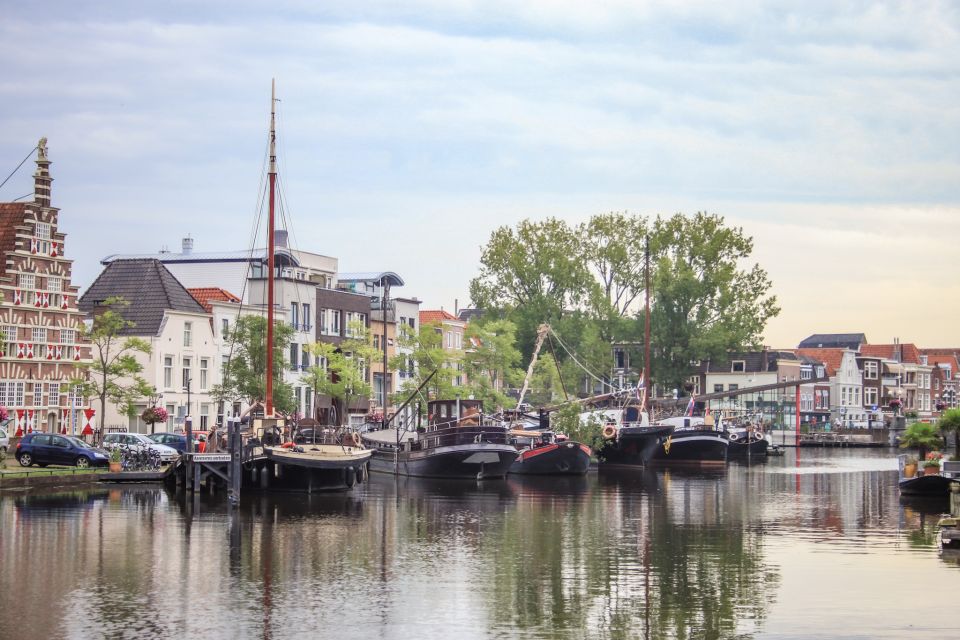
{"x":935,"y":485}
{"x":746,"y":443}
{"x":543,"y":453}
{"x":456,"y":443}
{"x":631,"y":441}
{"x":694,"y":441}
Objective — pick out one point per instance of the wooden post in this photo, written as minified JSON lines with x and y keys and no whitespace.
{"x":797,"y":421}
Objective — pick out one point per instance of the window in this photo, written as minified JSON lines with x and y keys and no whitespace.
{"x":306,"y":317}
{"x":806,"y":374}
{"x":294,"y":355}
{"x":68,"y":336}
{"x":10,"y":337}
{"x":695,"y":381}
{"x":296,"y":398}
{"x":43,"y":231}
{"x":171,"y":412}
{"x":376,"y":341}
{"x":168,"y":372}
{"x":718,"y":388}
{"x":224,"y":327}
{"x":295,"y":315}
{"x":335,"y":322}
{"x":870,"y":396}
{"x":738,"y":366}
{"x":733,"y":387}
{"x":204,"y":370}
{"x":307,"y":405}
{"x":37,"y":394}
{"x":870,"y":370}
{"x":186,"y":372}
{"x":27,"y":281}
{"x":204,"y":416}
{"x":54,"y":285}
{"x":459,"y":337}
{"x":323,"y":321}
{"x":305,"y":360}
{"x":820,"y":372}
{"x":187,"y":334}
{"x":39,"y":334}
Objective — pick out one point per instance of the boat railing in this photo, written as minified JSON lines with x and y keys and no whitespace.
{"x":460,"y":435}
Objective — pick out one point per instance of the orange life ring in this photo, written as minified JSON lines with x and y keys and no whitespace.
{"x":609,"y":432}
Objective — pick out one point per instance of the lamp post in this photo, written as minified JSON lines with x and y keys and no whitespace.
{"x":188,"y":426}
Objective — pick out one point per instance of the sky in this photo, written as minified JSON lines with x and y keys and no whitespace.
{"x":408,"y":132}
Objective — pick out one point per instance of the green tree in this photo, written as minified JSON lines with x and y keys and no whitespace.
{"x":428,"y":356}
{"x":950,"y":422}
{"x":244,"y":375}
{"x":704,"y":304}
{"x":491,"y":361}
{"x":344,"y":370}
{"x":114,"y":373}
{"x":532,"y":273}
{"x":922,"y":436}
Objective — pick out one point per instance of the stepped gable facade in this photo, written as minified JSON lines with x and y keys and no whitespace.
{"x":41,"y":342}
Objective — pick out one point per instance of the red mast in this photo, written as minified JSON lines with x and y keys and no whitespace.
{"x":268,"y":411}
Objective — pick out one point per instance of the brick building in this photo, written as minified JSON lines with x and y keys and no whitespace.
{"x":40,"y":323}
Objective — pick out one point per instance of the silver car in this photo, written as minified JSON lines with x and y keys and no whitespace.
{"x":4,"y":440}
{"x":167,"y":454}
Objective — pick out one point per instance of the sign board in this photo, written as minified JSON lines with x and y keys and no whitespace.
{"x":211,"y":457}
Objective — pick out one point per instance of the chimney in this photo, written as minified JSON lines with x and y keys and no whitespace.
{"x":187,"y":246}
{"x":280,"y":238}
{"x":41,"y":177}
{"x":456,"y":307}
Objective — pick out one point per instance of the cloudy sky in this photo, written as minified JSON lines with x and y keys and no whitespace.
{"x":830,"y":131}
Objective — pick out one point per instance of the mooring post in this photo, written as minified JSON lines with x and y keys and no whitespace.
{"x":234,"y":469}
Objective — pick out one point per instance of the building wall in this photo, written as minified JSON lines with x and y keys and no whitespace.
{"x":41,"y":340}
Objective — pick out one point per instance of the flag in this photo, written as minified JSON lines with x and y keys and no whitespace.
{"x":689,"y":411}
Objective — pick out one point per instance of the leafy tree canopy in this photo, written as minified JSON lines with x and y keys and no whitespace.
{"x":244,"y":375}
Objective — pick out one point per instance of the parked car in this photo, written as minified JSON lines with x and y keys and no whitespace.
{"x":47,"y":448}
{"x":4,"y":440}
{"x":177,"y":441}
{"x":167,"y":454}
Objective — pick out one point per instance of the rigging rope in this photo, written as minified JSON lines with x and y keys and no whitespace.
{"x":580,"y":364}
{"x":30,"y":153}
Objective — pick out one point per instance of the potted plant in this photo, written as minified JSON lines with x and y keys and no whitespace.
{"x":115,"y":466}
{"x":910,"y":467}
{"x":921,"y":435}
{"x":931,"y":465}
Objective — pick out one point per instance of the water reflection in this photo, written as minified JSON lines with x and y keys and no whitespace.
{"x":657,"y":554}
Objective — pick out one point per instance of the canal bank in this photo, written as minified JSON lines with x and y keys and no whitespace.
{"x":13,"y":477}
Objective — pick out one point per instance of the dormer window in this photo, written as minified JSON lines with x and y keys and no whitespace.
{"x":819,"y":372}
{"x":738,"y":366}
{"x":923,"y":359}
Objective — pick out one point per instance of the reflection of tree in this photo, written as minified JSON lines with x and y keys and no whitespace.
{"x":626,"y":566}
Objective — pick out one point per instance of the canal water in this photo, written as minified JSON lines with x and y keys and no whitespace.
{"x":820,"y":547}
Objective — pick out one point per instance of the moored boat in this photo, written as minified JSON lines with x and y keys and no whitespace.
{"x":630,"y":439}
{"x":695,"y":441}
{"x":928,"y":484}
{"x":746,"y":442}
{"x":545,"y":453}
{"x":456,"y":443}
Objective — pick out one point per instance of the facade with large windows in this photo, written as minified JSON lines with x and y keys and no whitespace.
{"x":41,"y":340}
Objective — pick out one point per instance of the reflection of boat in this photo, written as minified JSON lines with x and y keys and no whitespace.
{"x":934,"y":485}
{"x":694,"y":441}
{"x":456,"y":443}
{"x":545,"y":453}
{"x":949,"y":534}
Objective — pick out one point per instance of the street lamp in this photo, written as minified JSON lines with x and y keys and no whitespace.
{"x":188,"y":427}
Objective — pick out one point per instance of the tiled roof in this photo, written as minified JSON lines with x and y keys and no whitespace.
{"x":889,"y":351}
{"x":833,"y":341}
{"x":753,"y":361}
{"x":831,"y":358}
{"x":951,"y":360}
{"x":206,"y":295}
{"x":434,"y":316}
{"x":149,"y":288}
{"x":11,"y":216}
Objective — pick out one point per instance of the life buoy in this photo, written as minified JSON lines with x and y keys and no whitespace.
{"x":734,"y":437}
{"x":757,"y":436}
{"x":609,"y":432}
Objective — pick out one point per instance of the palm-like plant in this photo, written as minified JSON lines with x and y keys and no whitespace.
{"x":950,"y":421}
{"x":922,"y":436}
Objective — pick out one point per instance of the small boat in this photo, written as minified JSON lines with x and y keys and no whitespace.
{"x":330,"y":460}
{"x":456,"y":443}
{"x":747,"y":442}
{"x":949,"y":532}
{"x":695,"y":440}
{"x":546,"y":453}
{"x":929,"y":485}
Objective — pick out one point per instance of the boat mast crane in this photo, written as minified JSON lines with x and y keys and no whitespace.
{"x":542,"y":332}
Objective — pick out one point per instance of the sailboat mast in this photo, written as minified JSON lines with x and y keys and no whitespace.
{"x":646,"y":325}
{"x":268,"y":412}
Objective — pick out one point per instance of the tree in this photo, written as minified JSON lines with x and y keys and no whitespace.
{"x":950,"y":421}
{"x":704,"y":304}
{"x":533,"y":273}
{"x":491,"y":361}
{"x":244,"y":375}
{"x":114,"y":373}
{"x":429,"y":356}
{"x":922,"y":436}
{"x":343,"y":372}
